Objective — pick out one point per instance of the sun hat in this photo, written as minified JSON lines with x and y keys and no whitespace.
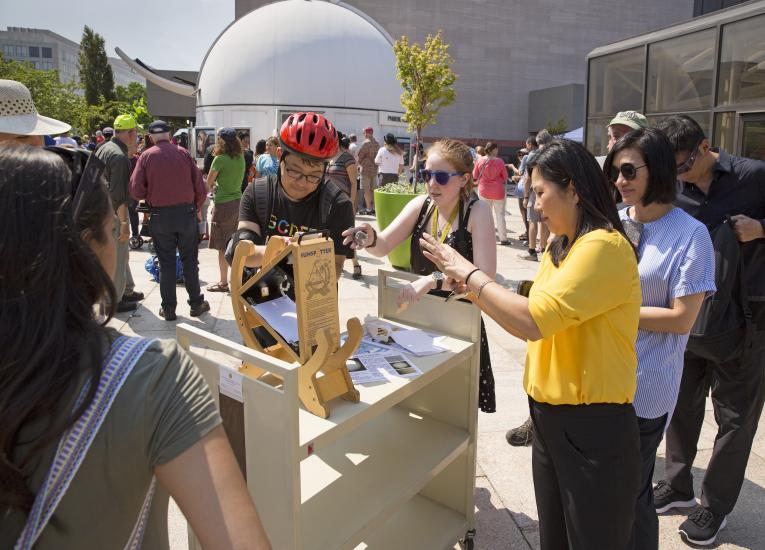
{"x":18,"y":114}
{"x":124,"y":122}
{"x":633,"y":119}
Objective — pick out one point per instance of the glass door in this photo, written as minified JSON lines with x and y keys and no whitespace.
{"x":752,"y":136}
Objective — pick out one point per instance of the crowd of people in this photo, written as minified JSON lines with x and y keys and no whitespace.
{"x":648,"y":297}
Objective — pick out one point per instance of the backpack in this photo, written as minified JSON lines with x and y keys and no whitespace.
{"x":724,"y":328}
{"x":152,"y":266}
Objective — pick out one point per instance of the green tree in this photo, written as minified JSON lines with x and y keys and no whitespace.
{"x":95,"y":72}
{"x":52,"y":98}
{"x":426,"y":75}
{"x":133,"y":97}
{"x":557,"y":128}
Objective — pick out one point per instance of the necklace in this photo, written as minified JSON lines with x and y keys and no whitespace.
{"x":441,"y":234}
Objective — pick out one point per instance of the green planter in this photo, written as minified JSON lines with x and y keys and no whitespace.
{"x":387,"y":207}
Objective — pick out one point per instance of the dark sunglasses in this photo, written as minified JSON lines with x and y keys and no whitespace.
{"x":627,"y":170}
{"x":688,"y":164}
{"x":442,"y":177}
{"x":86,"y":170}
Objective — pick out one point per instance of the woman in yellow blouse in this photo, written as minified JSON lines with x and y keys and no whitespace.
{"x":580,"y":321}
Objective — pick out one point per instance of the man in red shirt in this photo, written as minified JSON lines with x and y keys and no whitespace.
{"x":168,"y":179}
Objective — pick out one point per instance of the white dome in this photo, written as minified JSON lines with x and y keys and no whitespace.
{"x":301,"y":53}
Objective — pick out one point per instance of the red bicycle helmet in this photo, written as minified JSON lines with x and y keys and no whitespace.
{"x":309,"y":135}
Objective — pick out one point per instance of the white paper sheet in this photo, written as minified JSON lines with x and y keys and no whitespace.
{"x":417,"y":342}
{"x":281,"y":314}
{"x":230,"y":383}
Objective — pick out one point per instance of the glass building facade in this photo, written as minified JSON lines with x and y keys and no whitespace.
{"x":711,"y":68}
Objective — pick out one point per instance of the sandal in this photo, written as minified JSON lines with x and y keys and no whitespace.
{"x":218,"y":287}
{"x":357,"y":271}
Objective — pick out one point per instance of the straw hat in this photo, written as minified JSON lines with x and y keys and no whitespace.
{"x":19,"y":116}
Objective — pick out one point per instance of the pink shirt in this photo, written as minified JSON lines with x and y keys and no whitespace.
{"x":493,"y":177}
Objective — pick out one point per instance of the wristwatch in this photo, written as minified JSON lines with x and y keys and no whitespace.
{"x":438,"y":277}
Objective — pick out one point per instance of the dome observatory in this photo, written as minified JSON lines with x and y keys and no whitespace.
{"x":300,"y":55}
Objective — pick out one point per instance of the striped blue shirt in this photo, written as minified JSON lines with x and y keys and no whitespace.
{"x":675,"y":259}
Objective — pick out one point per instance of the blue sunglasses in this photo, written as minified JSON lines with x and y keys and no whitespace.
{"x":442,"y":177}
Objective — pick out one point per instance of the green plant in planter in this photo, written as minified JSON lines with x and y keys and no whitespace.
{"x":390,"y":199}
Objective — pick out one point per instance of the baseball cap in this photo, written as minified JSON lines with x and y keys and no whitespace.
{"x":226,"y":133}
{"x":158,"y":127}
{"x":124,"y":122}
{"x":369,"y":130}
{"x":108,"y":130}
{"x":633,"y":119}
{"x":19,"y":116}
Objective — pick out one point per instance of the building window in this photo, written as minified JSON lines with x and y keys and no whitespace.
{"x":47,"y":53}
{"x":7,"y":50}
{"x":597,"y":135}
{"x":742,"y":63}
{"x":616,"y":82}
{"x":681,"y":73}
{"x":21,"y":51}
{"x":34,"y":51}
{"x":725,"y":126}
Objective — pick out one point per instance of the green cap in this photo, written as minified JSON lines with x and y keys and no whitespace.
{"x":633,"y":119}
{"x":124,"y":122}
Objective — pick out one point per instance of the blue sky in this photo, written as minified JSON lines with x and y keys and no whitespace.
{"x":166,"y":34}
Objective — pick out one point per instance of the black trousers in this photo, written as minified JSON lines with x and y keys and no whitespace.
{"x":586,"y":467}
{"x":737,"y":397}
{"x":645,"y":535}
{"x":133,"y":217}
{"x":175,"y":227}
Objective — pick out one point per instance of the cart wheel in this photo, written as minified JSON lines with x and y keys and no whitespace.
{"x":467,"y":542}
{"x":135,"y":243}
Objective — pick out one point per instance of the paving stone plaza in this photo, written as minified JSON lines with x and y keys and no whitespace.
{"x":506,"y":515}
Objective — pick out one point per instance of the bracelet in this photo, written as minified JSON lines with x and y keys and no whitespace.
{"x":374,"y":240}
{"x":483,"y":284}
{"x":470,"y":275}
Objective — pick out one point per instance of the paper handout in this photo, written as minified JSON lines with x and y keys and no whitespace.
{"x":281,"y":315}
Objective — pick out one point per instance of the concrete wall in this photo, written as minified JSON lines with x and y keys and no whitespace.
{"x":504,"y":49}
{"x":552,"y":104}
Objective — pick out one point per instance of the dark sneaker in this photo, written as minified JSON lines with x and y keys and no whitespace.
{"x":702,"y":527}
{"x":665,"y":498}
{"x":506,"y":242}
{"x":132,"y":297}
{"x":199,"y":309}
{"x":126,"y":305}
{"x":168,"y":315}
{"x":531,"y":256}
{"x":521,"y":436}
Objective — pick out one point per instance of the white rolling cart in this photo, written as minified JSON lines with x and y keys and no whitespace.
{"x":394,"y":471}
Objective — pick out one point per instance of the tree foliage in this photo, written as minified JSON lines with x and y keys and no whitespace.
{"x":96,"y":74}
{"x":61,"y":101}
{"x":426,"y":75}
{"x":52,"y":98}
{"x":557,"y":128}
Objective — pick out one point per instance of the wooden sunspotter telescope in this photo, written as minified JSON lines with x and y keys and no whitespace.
{"x":323,"y":375}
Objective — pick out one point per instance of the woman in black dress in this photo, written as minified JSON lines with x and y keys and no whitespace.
{"x":453,"y":215}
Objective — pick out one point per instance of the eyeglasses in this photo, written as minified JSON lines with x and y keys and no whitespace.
{"x":627,"y":170}
{"x":86,"y":171}
{"x":442,"y":177}
{"x":688,"y":164}
{"x":297,"y":175}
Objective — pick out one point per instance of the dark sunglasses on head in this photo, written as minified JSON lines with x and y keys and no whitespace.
{"x":627,"y":170}
{"x":442,"y":177}
{"x":688,"y":164}
{"x":86,"y":171}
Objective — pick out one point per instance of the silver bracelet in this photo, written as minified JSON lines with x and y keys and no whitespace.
{"x":480,"y":288}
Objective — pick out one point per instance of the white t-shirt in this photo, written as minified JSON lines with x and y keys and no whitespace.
{"x":353,"y":149}
{"x":388,"y":161}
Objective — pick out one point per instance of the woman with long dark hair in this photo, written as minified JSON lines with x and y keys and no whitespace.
{"x":225,"y":181}
{"x":89,"y":418}
{"x":580,"y":320}
{"x":677,"y":271}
